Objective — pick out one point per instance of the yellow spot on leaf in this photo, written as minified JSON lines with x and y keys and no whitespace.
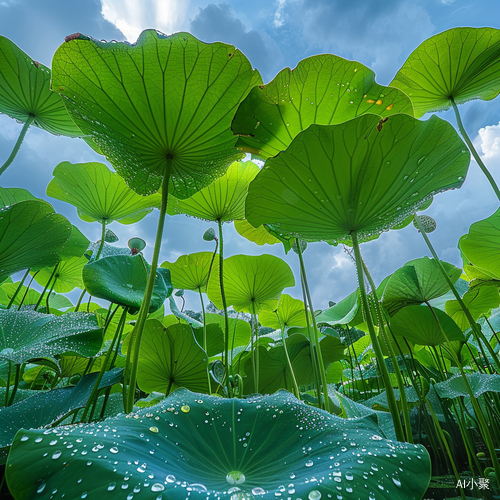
{"x":370,"y":101}
{"x":379,"y":102}
{"x":61,"y":88}
{"x":389,"y":107}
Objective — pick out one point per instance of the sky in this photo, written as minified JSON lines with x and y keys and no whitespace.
{"x":273,"y":34}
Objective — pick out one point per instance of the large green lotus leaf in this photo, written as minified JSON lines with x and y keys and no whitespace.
{"x":337,"y":179}
{"x":291,"y":312}
{"x":482,"y":244}
{"x":479,"y":382}
{"x":28,"y":334}
{"x":239,"y":330}
{"x":170,"y":358}
{"x":323,"y":89}
{"x":215,"y":338}
{"x":259,"y":235}
{"x":190,"y":272}
{"x":163,"y":104}
{"x":99,"y":194}
{"x":416,"y":282}
{"x":198,"y":446}
{"x":25,"y":91}
{"x":44,"y":407}
{"x":76,"y":246}
{"x":274,"y":372}
{"x":31,"y":296}
{"x":417,"y":324}
{"x":251,"y":283}
{"x":223,"y":200}
{"x":67,"y":276}
{"x":461,"y":63}
{"x":479,"y":301}
{"x":31,"y":235}
{"x":122,"y":279}
{"x":341,"y":313}
{"x":9,"y":196}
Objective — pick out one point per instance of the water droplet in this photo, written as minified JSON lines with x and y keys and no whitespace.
{"x":314,"y":495}
{"x":258,"y":491}
{"x":235,"y":477}
{"x":114,"y":449}
{"x":111,"y":486}
{"x":41,"y":488}
{"x":157,"y":487}
{"x":185,"y":409}
{"x":56,"y":455}
{"x":309,"y":463}
{"x":170,"y":478}
{"x":396,"y":481}
{"x":154,"y":429}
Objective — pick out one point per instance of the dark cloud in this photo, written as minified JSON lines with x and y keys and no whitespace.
{"x":218,"y":23}
{"x":40,"y":27}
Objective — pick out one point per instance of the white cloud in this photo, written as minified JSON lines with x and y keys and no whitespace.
{"x":133,"y":16}
{"x":490,"y":142}
{"x":278,"y":15}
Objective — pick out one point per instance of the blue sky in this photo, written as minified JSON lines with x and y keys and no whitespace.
{"x":273,"y":34}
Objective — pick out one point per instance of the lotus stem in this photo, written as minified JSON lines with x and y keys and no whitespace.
{"x":391,"y":399}
{"x":283,"y":327}
{"x":116,"y":336}
{"x":255,"y":330}
{"x":46,"y":286}
{"x":477,"y":409}
{"x":21,"y":283}
{"x":472,"y":149}
{"x":224,"y":305}
{"x":317,"y":347}
{"x":26,"y":291}
{"x":47,"y":307}
{"x":205,"y":338}
{"x":103,"y":236}
{"x":387,"y":340}
{"x":19,"y":141}
{"x":135,"y":340}
{"x":475,"y":328}
{"x":19,"y":370}
{"x":80,"y":300}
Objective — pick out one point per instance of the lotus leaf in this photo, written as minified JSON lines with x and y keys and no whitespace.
{"x":259,"y":235}
{"x":99,"y":194}
{"x":359,"y":176}
{"x":223,"y":200}
{"x":161,"y":107}
{"x":323,"y":89}
{"x":260,"y":446}
{"x":480,"y":383}
{"x":251,"y":283}
{"x":25,"y":92}
{"x":122,"y":279}
{"x":291,"y":312}
{"x":418,"y":324}
{"x":459,"y":64}
{"x":31,"y":235}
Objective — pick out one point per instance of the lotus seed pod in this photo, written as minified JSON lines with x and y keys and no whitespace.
{"x":209,"y":234}
{"x":427,"y":222}
{"x":136,"y":245}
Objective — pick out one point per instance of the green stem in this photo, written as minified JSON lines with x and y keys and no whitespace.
{"x":135,"y":341}
{"x":224,"y":305}
{"x":80,"y":300}
{"x":7,"y":387}
{"x":26,"y":291}
{"x":391,"y":399}
{"x":18,"y":289}
{"x":205,"y":338}
{"x":47,"y":308}
{"x":472,"y":149}
{"x":20,"y":139}
{"x":475,"y":327}
{"x":283,"y":336}
{"x":104,"y":365}
{"x":387,"y":340}
{"x":255,"y":331}
{"x":103,"y":235}
{"x":19,"y":371}
{"x":475,"y":405}
{"x":317,"y":347}
{"x":46,"y":286}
